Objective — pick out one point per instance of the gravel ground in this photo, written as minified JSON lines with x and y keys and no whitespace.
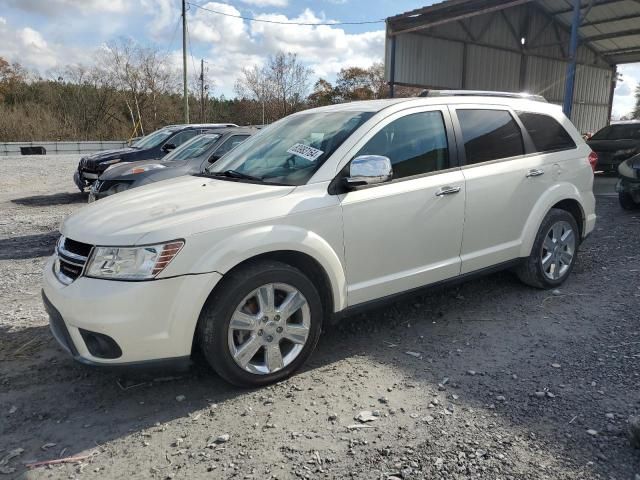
{"x":490,"y":379}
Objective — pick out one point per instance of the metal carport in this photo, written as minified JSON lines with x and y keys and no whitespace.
{"x":566,"y":50}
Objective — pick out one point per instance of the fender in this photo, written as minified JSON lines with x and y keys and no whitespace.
{"x":555,"y":194}
{"x":242,"y":245}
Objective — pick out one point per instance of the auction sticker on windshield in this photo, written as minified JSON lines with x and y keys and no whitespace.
{"x":306,"y":152}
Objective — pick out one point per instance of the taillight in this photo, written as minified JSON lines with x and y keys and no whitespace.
{"x":593,"y":160}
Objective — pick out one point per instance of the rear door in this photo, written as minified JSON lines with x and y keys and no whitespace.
{"x":504,"y":178}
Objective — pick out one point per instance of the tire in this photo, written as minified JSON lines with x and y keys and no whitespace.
{"x":241,"y":297}
{"x":548,"y":265}
{"x":626,"y":201}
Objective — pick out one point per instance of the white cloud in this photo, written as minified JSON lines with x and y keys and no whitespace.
{"x":64,"y":7}
{"x":227,"y":43}
{"x":624,"y":99}
{"x":267,"y":3}
{"x":163,"y":15}
{"x":30,"y":48}
{"x":25,"y":46}
{"x":236,"y":43}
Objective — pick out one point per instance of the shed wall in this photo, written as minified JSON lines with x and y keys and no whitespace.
{"x":484,"y":52}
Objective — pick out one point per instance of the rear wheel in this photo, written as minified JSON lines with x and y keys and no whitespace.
{"x":626,"y":201}
{"x":554,"y":251}
{"x":261,"y":324}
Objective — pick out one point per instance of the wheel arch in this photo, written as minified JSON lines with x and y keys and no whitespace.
{"x":562,"y":196}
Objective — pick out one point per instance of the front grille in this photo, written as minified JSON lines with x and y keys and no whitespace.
{"x":78,"y":248}
{"x":72,"y":257}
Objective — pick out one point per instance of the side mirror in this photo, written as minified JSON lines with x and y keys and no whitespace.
{"x":369,"y":170}
{"x":168,"y":147}
{"x":214,"y":158}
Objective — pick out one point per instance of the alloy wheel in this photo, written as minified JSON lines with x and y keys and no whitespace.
{"x":558,"y":249}
{"x":269,"y":328}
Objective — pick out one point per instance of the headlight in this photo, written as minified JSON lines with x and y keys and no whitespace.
{"x":117,"y":188}
{"x":144,"y":168}
{"x":625,"y":152}
{"x":131,"y":263}
{"x":625,"y":170}
{"x":111,"y":162}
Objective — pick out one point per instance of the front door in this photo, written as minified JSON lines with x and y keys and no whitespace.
{"x":405,"y":233}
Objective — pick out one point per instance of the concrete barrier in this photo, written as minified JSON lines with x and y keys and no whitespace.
{"x":61,"y":148}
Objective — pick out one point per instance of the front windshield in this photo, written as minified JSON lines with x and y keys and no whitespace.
{"x":193,"y":148}
{"x":291,"y":150}
{"x":619,"y":132}
{"x":153,"y":139}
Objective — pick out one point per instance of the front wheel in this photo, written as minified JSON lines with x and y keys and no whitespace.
{"x":554,"y":251}
{"x":261,"y":324}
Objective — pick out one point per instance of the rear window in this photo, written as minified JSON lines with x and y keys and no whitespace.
{"x":489,"y":135}
{"x":619,"y":132}
{"x":547,"y":134}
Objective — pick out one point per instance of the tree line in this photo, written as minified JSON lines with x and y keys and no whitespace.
{"x":132,"y":90}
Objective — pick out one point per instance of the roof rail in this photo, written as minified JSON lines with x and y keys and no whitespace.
{"x":480,"y":93}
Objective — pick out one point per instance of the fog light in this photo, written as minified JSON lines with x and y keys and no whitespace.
{"x":100,"y":345}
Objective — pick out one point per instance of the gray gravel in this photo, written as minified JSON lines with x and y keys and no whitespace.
{"x":508,"y":382}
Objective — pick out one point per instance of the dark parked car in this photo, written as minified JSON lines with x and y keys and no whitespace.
{"x":616,"y":143}
{"x":628,"y":186}
{"x":188,"y":159}
{"x":153,"y":146}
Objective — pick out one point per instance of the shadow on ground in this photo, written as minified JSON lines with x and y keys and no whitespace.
{"x":53,"y":199}
{"x":28,"y":246}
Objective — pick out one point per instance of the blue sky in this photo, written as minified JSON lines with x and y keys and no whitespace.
{"x":46,"y":34}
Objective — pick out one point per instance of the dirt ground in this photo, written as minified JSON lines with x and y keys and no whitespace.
{"x":490,"y":379}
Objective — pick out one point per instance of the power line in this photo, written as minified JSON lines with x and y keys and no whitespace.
{"x":173,"y":37}
{"x":193,"y":63}
{"x":277,"y":22}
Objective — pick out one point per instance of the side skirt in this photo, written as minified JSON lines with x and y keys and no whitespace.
{"x":380,"y":302}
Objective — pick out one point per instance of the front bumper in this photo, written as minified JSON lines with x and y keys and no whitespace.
{"x":149,"y":321}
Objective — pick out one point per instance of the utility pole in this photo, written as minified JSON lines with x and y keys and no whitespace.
{"x":202,"y":90}
{"x":571,"y":66}
{"x":184,"y":61}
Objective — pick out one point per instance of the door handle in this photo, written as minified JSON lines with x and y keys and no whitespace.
{"x":535,"y":172}
{"x":447,"y":191}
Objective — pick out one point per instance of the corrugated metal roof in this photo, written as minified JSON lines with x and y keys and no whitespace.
{"x":611,"y":28}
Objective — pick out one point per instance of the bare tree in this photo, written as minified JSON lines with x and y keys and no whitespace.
{"x":143,"y":74}
{"x":281,"y":85}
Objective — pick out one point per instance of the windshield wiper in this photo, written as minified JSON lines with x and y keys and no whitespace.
{"x":236,"y":174}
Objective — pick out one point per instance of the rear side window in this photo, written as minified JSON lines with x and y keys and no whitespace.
{"x":416,"y":144}
{"x":489,"y":135}
{"x":547,"y":134}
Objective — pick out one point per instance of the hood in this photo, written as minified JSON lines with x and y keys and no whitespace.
{"x":110,"y":154}
{"x":612,"y":145}
{"x":176,"y":208}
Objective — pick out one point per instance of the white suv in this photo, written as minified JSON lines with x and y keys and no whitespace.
{"x":324,"y":212}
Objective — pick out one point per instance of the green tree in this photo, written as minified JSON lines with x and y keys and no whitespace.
{"x":323,"y":94}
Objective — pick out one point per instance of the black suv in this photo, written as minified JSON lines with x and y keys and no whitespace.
{"x":616,"y":143}
{"x":153,"y":146}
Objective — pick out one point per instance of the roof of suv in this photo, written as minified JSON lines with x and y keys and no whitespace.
{"x":233,"y":130}
{"x":444,"y":98}
{"x":200,"y":125}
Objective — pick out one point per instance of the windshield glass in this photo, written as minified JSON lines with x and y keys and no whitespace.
{"x":193,"y":148}
{"x":292,"y":149}
{"x":619,"y":132}
{"x":153,"y":139}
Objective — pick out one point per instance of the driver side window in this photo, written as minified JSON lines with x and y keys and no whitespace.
{"x":182,"y":137}
{"x":416,"y":144}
